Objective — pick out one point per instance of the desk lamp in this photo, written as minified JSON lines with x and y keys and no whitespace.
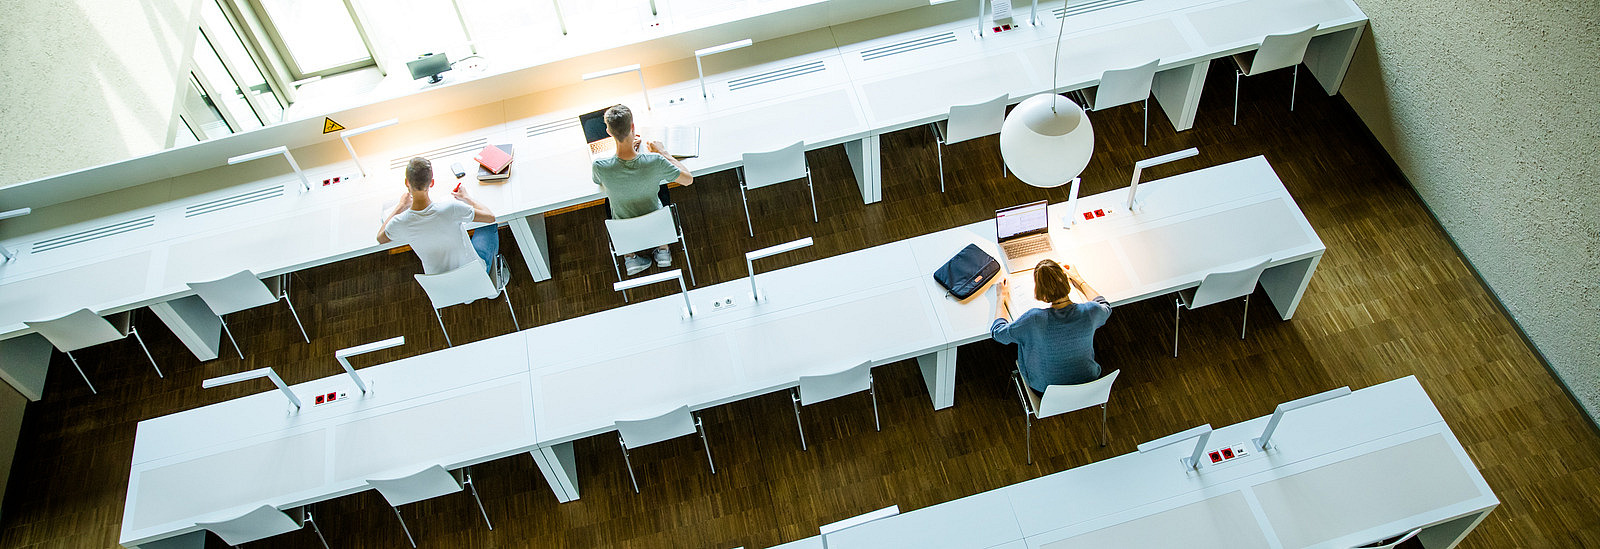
{"x":620,"y":70}
{"x":1138,"y":167}
{"x":305,"y":184}
{"x":5,"y":255}
{"x":343,"y":354}
{"x":560,"y":19}
{"x":750,"y":258}
{"x":253,"y":374}
{"x":1264,"y":442}
{"x":1046,"y":139}
{"x":688,"y":309}
{"x":714,"y":50}
{"x":347,"y":134}
{"x":1193,"y":461}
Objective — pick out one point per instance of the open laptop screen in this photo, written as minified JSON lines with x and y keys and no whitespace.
{"x":594,"y":125}
{"x":1027,"y":219}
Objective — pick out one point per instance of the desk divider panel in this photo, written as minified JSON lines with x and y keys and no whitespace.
{"x":246,"y":476}
{"x":39,"y":297}
{"x":1116,"y":48}
{"x":1243,"y":21}
{"x":1192,"y":246}
{"x":871,"y":327}
{"x":1220,"y":522}
{"x":437,"y":432}
{"x":636,"y":385}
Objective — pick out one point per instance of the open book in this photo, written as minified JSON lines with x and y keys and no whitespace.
{"x":681,"y":141}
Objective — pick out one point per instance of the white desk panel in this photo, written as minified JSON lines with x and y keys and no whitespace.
{"x":1086,"y":55}
{"x":226,"y":480}
{"x":588,"y":398}
{"x":892,"y":324}
{"x":982,"y":520}
{"x":54,"y":294}
{"x":498,"y":421}
{"x":1249,"y":21}
{"x":1219,"y":522}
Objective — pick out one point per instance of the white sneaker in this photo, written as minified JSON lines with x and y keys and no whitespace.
{"x":663,"y":257}
{"x":635,"y":264}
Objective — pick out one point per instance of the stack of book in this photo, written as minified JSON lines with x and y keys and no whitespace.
{"x":494,"y":163}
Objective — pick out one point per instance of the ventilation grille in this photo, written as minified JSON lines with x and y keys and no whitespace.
{"x":774,"y":76}
{"x":240,"y":199}
{"x":1090,"y":6}
{"x":552,"y":127}
{"x":96,"y":233}
{"x":442,"y":152}
{"x":913,"y":44}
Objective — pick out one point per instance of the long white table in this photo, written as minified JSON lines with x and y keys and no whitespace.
{"x":1354,"y":470}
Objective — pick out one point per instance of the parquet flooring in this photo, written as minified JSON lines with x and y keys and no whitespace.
{"x":1391,"y":298}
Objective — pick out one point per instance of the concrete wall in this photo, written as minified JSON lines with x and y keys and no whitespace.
{"x":1492,"y":110}
{"x":90,"y":82}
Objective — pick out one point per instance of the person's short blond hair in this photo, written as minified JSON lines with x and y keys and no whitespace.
{"x":1050,"y":282}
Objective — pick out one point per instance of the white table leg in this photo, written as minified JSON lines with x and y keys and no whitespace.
{"x":1329,"y":55}
{"x":868,"y":167}
{"x":191,"y":540}
{"x":1286,"y":283}
{"x":529,"y":233}
{"x":560,"y":470}
{"x":194,"y":324}
{"x":24,"y":361}
{"x":1178,"y":91}
{"x":939,"y":374}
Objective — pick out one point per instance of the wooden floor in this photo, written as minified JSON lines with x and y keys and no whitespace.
{"x":1391,"y":298}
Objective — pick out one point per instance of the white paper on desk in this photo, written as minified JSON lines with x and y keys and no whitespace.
{"x":1022,"y":294}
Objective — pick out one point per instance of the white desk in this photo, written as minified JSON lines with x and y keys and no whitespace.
{"x":1350,"y":471}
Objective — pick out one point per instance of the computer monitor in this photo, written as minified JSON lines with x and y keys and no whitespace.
{"x":430,"y":66}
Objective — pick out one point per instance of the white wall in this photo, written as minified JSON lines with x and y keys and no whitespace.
{"x":1492,"y":110}
{"x":91,"y":81}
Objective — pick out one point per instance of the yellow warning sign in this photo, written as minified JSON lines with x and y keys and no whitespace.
{"x":329,"y":126}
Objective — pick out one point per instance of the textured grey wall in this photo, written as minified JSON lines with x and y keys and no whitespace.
{"x":1492,"y":110}
{"x":91,"y":81}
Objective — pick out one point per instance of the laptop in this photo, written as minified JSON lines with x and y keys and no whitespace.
{"x":681,"y":141}
{"x":1024,"y":235}
{"x":594,"y":131}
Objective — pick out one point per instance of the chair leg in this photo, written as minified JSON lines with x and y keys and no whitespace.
{"x":1293,"y":85}
{"x":317,"y":529}
{"x":235,"y":342}
{"x":705,"y":442}
{"x":746,"y":201}
{"x":794,"y":398}
{"x":403,"y":527}
{"x":614,"y":267}
{"x":629,"y":463}
{"x":1237,"y":74}
{"x":1027,"y":412}
{"x":513,"y":310}
{"x":1105,"y":432}
{"x":872,"y":389}
{"x":1245,"y":324}
{"x":447,"y":342}
{"x":939,"y":147}
{"x":80,"y":372}
{"x":687,"y":263}
{"x":475,"y":496}
{"x":136,"y":337}
{"x":1147,"y":121}
{"x":1028,"y":438}
{"x":811,"y":191}
{"x":1177,"y":316}
{"x":292,"y":311}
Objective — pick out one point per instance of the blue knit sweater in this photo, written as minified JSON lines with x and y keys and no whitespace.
{"x":1056,"y":345}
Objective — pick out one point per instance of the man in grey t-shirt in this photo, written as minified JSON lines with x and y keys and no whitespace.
{"x":633,"y":179}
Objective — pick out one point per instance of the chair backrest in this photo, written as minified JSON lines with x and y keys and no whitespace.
{"x":233,"y":293}
{"x":768,"y":168}
{"x":1280,"y":51}
{"x":465,"y":284}
{"x":642,"y":233}
{"x":671,"y":425}
{"x":1060,"y":399}
{"x":77,"y":330}
{"x":261,"y":523}
{"x":428,"y":483}
{"x":976,"y":120}
{"x":1395,"y":543}
{"x":1217,"y":287}
{"x":1123,"y":86}
{"x":815,"y":389}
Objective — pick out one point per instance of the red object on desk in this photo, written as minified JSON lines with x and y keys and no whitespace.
{"x":492,"y":158}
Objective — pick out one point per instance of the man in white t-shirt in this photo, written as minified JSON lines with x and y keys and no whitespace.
{"x":435,"y":230}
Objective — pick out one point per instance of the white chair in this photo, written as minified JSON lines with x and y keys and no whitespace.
{"x":243,"y":290}
{"x":1215,"y":288}
{"x":770,"y":168}
{"x":1060,"y":399}
{"x":646,"y":232}
{"x":968,"y":122}
{"x":428,"y":483}
{"x":465,"y":284}
{"x":814,"y":389}
{"x":261,"y":523}
{"x":1391,"y":544}
{"x":640,"y":432}
{"x":82,"y":328}
{"x":1121,"y":87}
{"x":1278,"y":51}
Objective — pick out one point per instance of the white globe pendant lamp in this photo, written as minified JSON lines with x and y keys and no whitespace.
{"x":1046,"y":139}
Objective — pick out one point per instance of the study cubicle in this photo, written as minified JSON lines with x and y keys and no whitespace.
{"x":151,"y":231}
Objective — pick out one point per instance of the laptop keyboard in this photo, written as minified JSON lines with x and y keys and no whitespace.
{"x":1025,"y":247}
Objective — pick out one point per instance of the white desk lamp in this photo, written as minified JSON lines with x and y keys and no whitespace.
{"x":305,"y":184}
{"x":621,"y":70}
{"x":4,"y":253}
{"x":688,"y":309}
{"x":560,"y":19}
{"x":1138,"y":167}
{"x":347,"y":134}
{"x":1264,"y":442}
{"x":253,"y":374}
{"x":750,"y":258}
{"x":714,"y":50}
{"x":1193,"y":461}
{"x":344,"y":354}
{"x":1046,"y":139}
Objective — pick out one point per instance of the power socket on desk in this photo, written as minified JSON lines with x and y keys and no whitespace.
{"x":337,"y":179}
{"x":724,"y":303}
{"x":330,"y":397}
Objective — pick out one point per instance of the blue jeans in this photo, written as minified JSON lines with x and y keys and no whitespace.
{"x":486,"y":241}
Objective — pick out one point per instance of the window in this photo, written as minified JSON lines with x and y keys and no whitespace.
{"x":405,"y":29}
{"x":316,"y":37}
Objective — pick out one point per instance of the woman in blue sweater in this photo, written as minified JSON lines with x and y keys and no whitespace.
{"x":1056,"y":344}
